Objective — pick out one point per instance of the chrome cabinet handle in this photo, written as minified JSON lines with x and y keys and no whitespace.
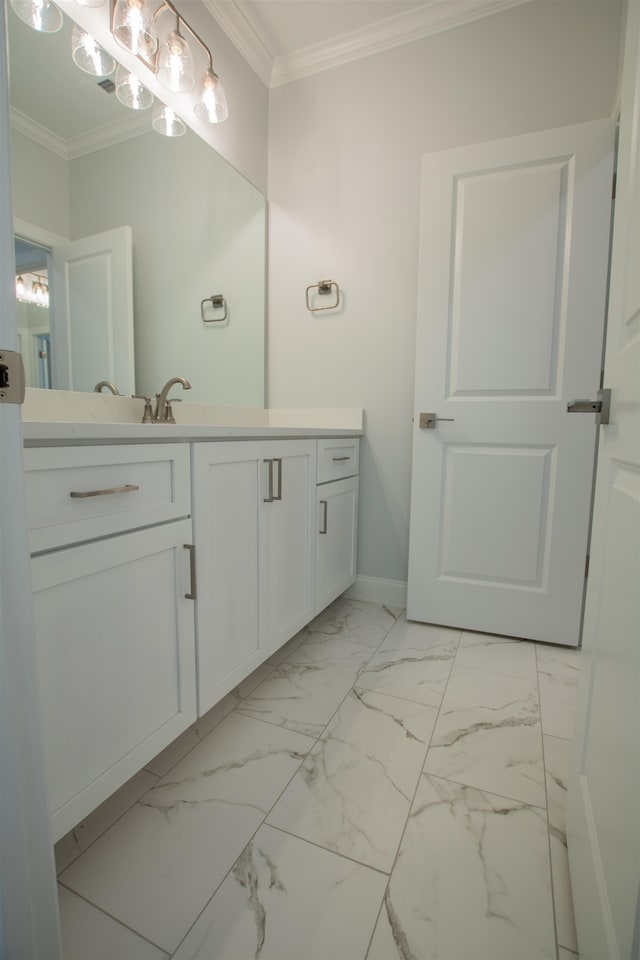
{"x":325,"y":509}
{"x":278,"y":460}
{"x":269,"y":497}
{"x":336,"y":459}
{"x":192,"y":595}
{"x":128,"y":488}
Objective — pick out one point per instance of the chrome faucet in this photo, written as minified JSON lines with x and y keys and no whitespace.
{"x":110,"y":386}
{"x":163,"y":412}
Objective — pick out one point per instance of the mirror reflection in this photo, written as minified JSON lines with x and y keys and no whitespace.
{"x":85,"y":168}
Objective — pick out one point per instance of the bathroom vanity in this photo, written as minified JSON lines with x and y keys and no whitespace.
{"x":168,"y":562}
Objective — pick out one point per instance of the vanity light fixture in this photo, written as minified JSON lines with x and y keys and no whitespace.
{"x":41,"y":15}
{"x":89,"y":55}
{"x":130,"y":91}
{"x":134,"y":26}
{"x":175,"y":63}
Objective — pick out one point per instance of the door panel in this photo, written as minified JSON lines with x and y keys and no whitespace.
{"x":92,"y":313}
{"x":513,"y":269}
{"x":508,"y":282}
{"x":603,"y":822}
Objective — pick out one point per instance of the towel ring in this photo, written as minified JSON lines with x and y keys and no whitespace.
{"x":323,"y":287}
{"x":218,"y":302}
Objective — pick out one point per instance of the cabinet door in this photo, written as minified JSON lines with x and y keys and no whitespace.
{"x":116,"y":665}
{"x":336,"y":539}
{"x":287,"y":546}
{"x":226,"y":512}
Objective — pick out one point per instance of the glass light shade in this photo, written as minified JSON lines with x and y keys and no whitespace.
{"x":134,"y":28}
{"x":130,"y":91}
{"x":211,"y":105}
{"x":175,"y":64}
{"x":166,"y":122}
{"x":42,"y":15}
{"x":90,"y":3}
{"x":88,"y":55}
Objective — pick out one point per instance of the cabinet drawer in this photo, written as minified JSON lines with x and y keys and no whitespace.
{"x":80,"y":493}
{"x":337,"y":459}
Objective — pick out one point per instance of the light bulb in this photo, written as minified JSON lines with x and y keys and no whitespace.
{"x":175,"y":64}
{"x":41,"y":15}
{"x":212,"y":101}
{"x":20,"y":288}
{"x":166,"y":122}
{"x":134,"y":28}
{"x":130,"y":91}
{"x":88,"y":55}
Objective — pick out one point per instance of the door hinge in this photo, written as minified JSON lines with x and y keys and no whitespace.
{"x":11,"y":377}
{"x":586,"y":567}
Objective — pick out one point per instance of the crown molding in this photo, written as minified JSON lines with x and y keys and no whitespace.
{"x":80,"y":146}
{"x":38,"y":133}
{"x":433,"y":17}
{"x":243,"y":36}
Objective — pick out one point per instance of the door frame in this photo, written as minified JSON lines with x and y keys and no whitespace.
{"x":29,"y":923}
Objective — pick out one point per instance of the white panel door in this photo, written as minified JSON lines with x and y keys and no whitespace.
{"x":512,"y":288}
{"x":603,"y":816}
{"x":92,"y":312}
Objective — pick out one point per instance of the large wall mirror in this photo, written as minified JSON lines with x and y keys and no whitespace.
{"x":84,"y":166}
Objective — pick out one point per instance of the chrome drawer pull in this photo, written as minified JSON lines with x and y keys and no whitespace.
{"x":128,"y":488}
{"x":324,"y":518}
{"x":335,"y":459}
{"x":278,"y":495}
{"x":269,"y":496}
{"x":193,"y":594}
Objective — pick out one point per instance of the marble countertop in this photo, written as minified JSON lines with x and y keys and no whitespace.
{"x":55,"y":417}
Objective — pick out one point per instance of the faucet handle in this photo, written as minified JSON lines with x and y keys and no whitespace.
{"x":168,"y":410}
{"x":147,"y":416}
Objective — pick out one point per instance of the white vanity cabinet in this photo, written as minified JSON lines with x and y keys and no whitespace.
{"x":253,"y":512}
{"x":108,"y":527}
{"x":337,"y":517}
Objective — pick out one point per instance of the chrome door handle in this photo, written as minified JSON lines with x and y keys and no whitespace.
{"x":428,"y":420}
{"x":325,"y":509}
{"x":601,"y":406}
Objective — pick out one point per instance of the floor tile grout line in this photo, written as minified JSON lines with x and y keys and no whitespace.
{"x":267,"y":814}
{"x":111,"y":916}
{"x":411,"y":805}
{"x":334,"y":853}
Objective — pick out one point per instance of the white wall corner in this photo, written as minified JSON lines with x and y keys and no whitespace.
{"x":242,"y":35}
{"x":390,"y":593}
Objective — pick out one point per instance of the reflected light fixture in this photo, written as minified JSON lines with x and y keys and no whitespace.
{"x":41,"y":15}
{"x":89,"y":55}
{"x":37,"y":293}
{"x":166,"y":122}
{"x":130,"y":91}
{"x":133,"y":26}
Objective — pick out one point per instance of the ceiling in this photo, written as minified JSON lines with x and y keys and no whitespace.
{"x":285,"y":40}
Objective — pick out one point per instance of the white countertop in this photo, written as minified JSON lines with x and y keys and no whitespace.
{"x":60,"y":417}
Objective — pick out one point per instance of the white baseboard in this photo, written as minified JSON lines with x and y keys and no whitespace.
{"x":392,"y":593}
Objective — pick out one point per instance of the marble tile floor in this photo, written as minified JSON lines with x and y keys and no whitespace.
{"x":379,"y":790}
